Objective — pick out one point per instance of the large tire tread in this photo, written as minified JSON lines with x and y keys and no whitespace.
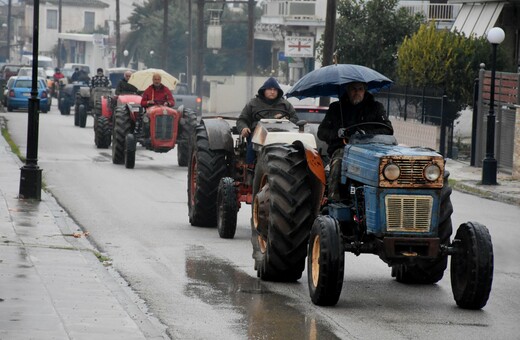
{"x":206,"y":168}
{"x":472,"y":268}
{"x":122,"y":127}
{"x":329,"y":259}
{"x":291,"y":213}
{"x":102,"y":132}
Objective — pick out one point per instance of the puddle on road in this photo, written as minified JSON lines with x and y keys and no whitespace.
{"x":265,"y":314}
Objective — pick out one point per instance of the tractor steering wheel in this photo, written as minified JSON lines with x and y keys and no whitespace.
{"x":264,"y":113}
{"x":344,"y":132}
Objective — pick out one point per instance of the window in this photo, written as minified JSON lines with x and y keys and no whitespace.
{"x":52,"y":19}
{"x":90,"y":20}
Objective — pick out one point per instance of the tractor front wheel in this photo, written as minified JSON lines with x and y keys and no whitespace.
{"x":122,"y":127}
{"x":130,"y":146}
{"x":325,"y":262}
{"x":102,"y":133}
{"x":472,"y":266}
{"x":76,"y":115}
{"x":82,"y":116}
{"x":227,"y":208}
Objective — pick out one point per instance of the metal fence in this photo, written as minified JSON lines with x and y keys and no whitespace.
{"x":427,"y":105}
{"x":507,"y":98}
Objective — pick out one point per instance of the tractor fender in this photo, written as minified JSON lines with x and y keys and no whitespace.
{"x":105,"y":107}
{"x":314,"y":161}
{"x":317,"y":169}
{"x":134,"y":110}
{"x":219,"y":134}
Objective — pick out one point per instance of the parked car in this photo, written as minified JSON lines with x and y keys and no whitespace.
{"x":10,"y":70}
{"x":7,"y":87}
{"x":20,"y":92}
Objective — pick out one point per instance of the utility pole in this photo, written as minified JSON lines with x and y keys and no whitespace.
{"x":189,"y":54}
{"x":200,"y":46}
{"x":250,"y":45}
{"x":59,"y":31}
{"x":8,"y":55}
{"x":119,"y":58}
{"x":164,"y":49}
{"x":329,"y":41}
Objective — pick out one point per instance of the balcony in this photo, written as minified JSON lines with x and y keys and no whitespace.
{"x":443,"y":14}
{"x":296,"y":13}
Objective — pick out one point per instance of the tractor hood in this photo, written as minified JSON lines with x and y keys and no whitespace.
{"x":365,"y":162}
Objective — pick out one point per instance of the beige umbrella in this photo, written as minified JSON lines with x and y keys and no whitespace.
{"x":143,"y":79}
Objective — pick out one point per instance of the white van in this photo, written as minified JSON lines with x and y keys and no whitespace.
{"x":43,"y":61}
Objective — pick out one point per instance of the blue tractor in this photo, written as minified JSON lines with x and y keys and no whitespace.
{"x":395,"y":203}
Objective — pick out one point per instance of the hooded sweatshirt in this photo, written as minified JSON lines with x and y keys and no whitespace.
{"x":265,"y":107}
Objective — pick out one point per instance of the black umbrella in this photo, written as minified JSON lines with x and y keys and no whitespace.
{"x":332,"y":80}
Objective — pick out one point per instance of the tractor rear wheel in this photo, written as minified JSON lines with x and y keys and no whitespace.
{"x":227,"y":208}
{"x":283,"y":213}
{"x":187,"y":129}
{"x":431,"y":271}
{"x":102,"y":133}
{"x":122,"y":127}
{"x":206,"y":168}
{"x":472,"y":266}
{"x":325,"y":262}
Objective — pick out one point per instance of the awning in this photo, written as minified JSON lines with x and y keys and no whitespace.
{"x":477,"y":18}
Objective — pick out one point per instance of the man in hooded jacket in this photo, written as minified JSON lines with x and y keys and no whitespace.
{"x":268,"y":103}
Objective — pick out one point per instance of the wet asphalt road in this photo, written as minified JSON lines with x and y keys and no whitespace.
{"x":204,"y":287}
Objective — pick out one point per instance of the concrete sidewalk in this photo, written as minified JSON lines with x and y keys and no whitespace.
{"x":52,"y":285}
{"x":467,"y":179}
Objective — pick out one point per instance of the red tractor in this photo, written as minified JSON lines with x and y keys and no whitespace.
{"x":285,"y":187}
{"x":159,"y":128}
{"x":104,"y":120}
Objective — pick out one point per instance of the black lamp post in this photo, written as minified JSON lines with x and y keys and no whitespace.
{"x":489,"y":166}
{"x":31,"y":174}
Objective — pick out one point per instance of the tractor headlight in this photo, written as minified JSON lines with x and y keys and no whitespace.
{"x":432,"y":172}
{"x":391,"y":171}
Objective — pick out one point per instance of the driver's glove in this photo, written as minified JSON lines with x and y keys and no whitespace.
{"x":341,"y":132}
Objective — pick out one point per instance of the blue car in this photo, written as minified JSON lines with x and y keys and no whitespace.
{"x":20,"y":92}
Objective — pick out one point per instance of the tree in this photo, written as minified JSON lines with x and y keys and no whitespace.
{"x":370,"y":32}
{"x":146,"y":34}
{"x":446,"y":60}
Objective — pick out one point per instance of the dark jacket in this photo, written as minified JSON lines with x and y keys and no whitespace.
{"x":369,"y":110}
{"x":124,"y":87}
{"x":265,"y":107}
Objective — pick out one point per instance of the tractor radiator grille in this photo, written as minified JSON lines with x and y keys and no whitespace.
{"x":411,"y":170}
{"x":408,"y":212}
{"x":163,"y":127}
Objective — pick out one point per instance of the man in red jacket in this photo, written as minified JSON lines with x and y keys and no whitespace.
{"x":157,"y":94}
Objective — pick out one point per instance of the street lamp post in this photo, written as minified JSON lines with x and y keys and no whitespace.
{"x":30,"y":173}
{"x":489,"y":166}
